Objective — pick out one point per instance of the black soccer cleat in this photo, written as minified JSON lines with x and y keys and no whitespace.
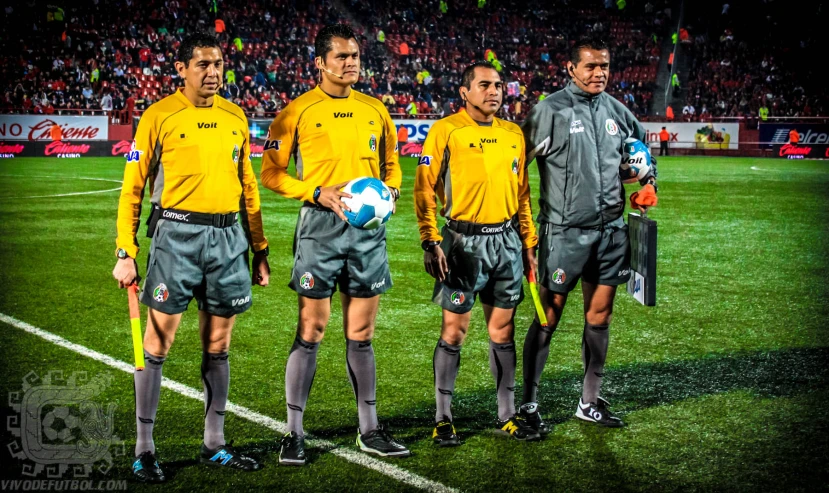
{"x":517,"y":427}
{"x":380,"y":442}
{"x":598,"y":413}
{"x":227,"y":456}
{"x":444,"y":434}
{"x":530,"y":413}
{"x":145,"y":469}
{"x":292,"y":450}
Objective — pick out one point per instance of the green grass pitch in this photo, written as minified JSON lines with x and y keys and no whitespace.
{"x":723,"y":384}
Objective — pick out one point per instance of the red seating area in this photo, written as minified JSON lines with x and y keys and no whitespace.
{"x":275,"y":66}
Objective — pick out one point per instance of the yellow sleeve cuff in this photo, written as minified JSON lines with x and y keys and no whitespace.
{"x":132,"y":250}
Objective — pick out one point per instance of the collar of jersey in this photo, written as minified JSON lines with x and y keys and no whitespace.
{"x":573,"y":88}
{"x":332,"y":98}
{"x":470,"y":121}
{"x":183,"y":98}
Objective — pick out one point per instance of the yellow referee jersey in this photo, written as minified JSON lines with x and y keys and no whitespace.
{"x":332,"y":140}
{"x":479,"y":174}
{"x":194,"y":158}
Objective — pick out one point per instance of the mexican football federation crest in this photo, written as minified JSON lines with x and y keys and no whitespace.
{"x":515,"y":166}
{"x":457,"y":298}
{"x":611,"y":127}
{"x":235,"y":154}
{"x":559,"y":276}
{"x":160,"y":293}
{"x":372,"y":143}
{"x":306,"y":281}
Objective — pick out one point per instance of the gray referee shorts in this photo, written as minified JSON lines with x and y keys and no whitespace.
{"x":194,"y":261}
{"x":329,"y":254}
{"x":599,"y":256}
{"x":488,"y":266}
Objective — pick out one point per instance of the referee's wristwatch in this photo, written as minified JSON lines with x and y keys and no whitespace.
{"x":317,"y":192}
{"x":395,"y":193}
{"x":121,"y":254}
{"x":427,"y":245}
{"x":264,"y":252}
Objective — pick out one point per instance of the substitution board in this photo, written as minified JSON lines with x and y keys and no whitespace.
{"x":642,"y":283}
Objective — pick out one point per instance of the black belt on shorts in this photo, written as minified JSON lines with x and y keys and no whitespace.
{"x":475,"y":229}
{"x":316,"y":206}
{"x":215,"y":220}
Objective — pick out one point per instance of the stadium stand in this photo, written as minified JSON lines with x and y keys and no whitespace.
{"x":529,"y":39}
{"x":119,"y":57}
{"x":750,"y":55}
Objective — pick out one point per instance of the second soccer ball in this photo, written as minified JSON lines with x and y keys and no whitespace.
{"x":635,"y":157}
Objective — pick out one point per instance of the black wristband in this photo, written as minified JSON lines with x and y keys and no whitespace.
{"x":395,"y":193}
{"x":428,"y":245}
{"x":264,"y":252}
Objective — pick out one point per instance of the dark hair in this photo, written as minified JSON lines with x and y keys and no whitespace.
{"x":587,"y":42}
{"x":193,"y":41}
{"x":469,"y":73}
{"x":323,"y":42}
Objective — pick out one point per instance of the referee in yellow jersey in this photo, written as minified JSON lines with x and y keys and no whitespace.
{"x":474,"y":163}
{"x":334,"y":134}
{"x":194,"y":147}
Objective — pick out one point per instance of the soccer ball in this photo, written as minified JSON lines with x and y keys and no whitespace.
{"x":52,"y":424}
{"x":371,"y":203}
{"x":636,"y":160}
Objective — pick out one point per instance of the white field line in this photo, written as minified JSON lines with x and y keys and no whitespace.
{"x":280,"y":427}
{"x":64,"y":194}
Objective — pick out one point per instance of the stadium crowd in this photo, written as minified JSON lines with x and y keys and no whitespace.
{"x":427,"y":42}
{"x":746,"y":62}
{"x":119,"y":55}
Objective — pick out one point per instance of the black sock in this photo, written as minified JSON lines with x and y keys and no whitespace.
{"x":147,"y":393}
{"x":215,"y":374}
{"x":299,"y":376}
{"x":536,"y":351}
{"x":502,"y":366}
{"x":359,"y":362}
{"x":445,"y":364}
{"x":594,"y":352}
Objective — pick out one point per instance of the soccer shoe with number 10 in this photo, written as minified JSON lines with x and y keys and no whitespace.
{"x":598,"y":413}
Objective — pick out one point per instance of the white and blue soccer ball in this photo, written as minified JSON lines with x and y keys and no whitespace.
{"x":371,"y":203}
{"x":636,"y":157}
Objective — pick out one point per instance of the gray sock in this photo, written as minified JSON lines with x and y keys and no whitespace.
{"x":147,"y":393}
{"x":359,"y":362}
{"x":445,"y":364}
{"x":593,"y":352}
{"x":215,"y":375}
{"x":536,"y":351}
{"x":502,"y":366}
{"x":299,"y":376}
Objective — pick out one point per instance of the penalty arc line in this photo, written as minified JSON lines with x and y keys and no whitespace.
{"x":352,"y":456}
{"x":65,"y":194}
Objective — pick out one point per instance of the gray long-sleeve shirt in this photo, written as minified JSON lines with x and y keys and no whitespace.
{"x":577,"y":141}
